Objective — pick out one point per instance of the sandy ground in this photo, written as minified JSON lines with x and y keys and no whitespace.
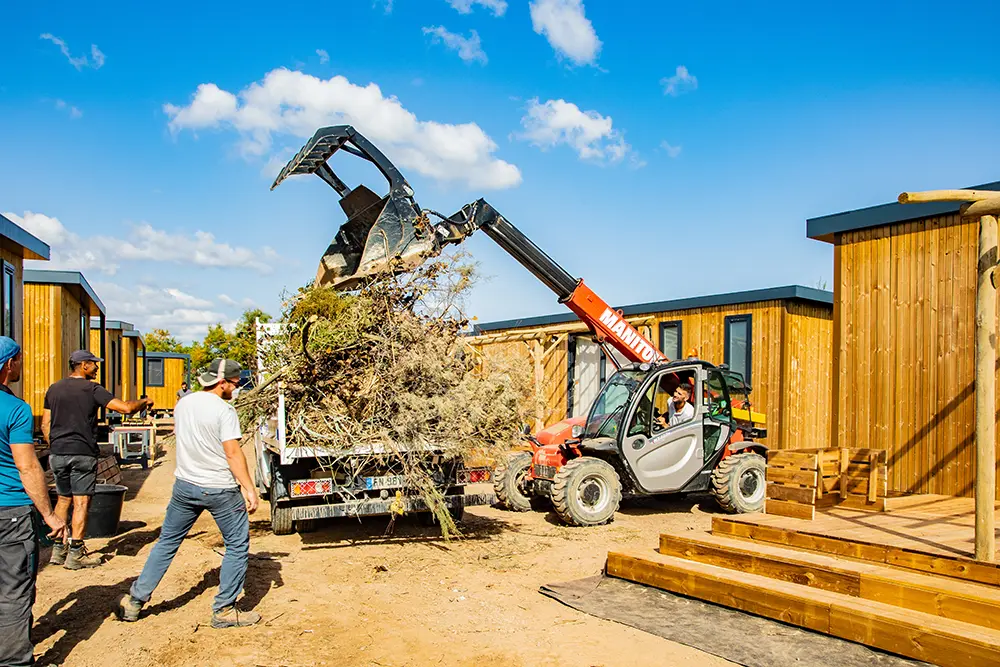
{"x":348,"y":595}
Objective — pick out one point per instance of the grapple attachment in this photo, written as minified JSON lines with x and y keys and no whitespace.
{"x":382,"y":234}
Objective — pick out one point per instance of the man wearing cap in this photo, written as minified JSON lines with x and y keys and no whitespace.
{"x":22,"y":484}
{"x":69,"y":424}
{"x":212,"y":475}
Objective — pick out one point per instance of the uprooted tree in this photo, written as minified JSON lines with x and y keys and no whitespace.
{"x":387,"y":369}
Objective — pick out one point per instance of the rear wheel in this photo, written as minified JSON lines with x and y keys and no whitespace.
{"x":739,"y":483}
{"x":510,"y":482}
{"x":305,"y":525}
{"x":586,"y":492}
{"x":281,"y":519}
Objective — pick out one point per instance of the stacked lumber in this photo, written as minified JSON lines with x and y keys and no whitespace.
{"x":919,"y":615}
{"x":108,"y":471}
{"x":800,"y":480}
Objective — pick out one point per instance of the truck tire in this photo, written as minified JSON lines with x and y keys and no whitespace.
{"x":509,"y":482}
{"x":281,"y":519}
{"x":586,"y":492}
{"x":305,"y":525}
{"x":739,"y":483}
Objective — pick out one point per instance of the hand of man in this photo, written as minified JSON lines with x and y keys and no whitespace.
{"x":250,"y":495}
{"x":57,"y":525}
{"x":149,"y":403}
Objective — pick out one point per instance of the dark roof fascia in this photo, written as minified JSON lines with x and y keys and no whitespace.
{"x":95,"y":323}
{"x":787,"y":293}
{"x":34,"y":247}
{"x":165,"y":355}
{"x":70,"y":278}
{"x":824,"y":227}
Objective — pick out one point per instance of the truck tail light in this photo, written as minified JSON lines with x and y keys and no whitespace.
{"x":312,"y":487}
{"x":474,"y":476}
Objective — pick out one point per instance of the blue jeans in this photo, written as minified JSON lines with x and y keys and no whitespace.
{"x":186,"y":504}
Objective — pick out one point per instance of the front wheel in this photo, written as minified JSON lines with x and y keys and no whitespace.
{"x":281,"y":519}
{"x":510,"y":482}
{"x":739,"y":483}
{"x":586,"y":492}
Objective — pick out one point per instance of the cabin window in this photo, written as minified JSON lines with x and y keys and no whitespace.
{"x":154,"y":372}
{"x":739,"y":334}
{"x":8,"y":300}
{"x":671,"y":339}
{"x":84,"y":330}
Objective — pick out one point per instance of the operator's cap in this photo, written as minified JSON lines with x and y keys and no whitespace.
{"x":80,"y":356}
{"x":220,"y":369}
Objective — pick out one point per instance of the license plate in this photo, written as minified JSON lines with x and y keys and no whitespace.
{"x":386,"y":482}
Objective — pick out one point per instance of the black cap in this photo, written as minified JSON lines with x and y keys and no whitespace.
{"x":80,"y":356}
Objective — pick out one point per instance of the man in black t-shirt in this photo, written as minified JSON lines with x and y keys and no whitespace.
{"x":69,"y":424}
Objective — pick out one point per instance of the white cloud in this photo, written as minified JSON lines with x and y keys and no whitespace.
{"x":567,"y":28}
{"x":324,"y":57}
{"x":498,"y":7}
{"x":294,"y":103}
{"x":387,"y":5}
{"x":469,"y":48}
{"x":143,"y":243}
{"x":226,"y":299}
{"x":671,"y":151}
{"x":96,"y":59}
{"x":681,"y":82}
{"x":151,"y":307}
{"x":72,"y":110}
{"x":589,"y":133}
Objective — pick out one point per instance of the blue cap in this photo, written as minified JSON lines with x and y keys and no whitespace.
{"x":8,"y":349}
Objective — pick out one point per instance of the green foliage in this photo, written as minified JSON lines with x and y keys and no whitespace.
{"x":239,"y":344}
{"x":160,"y":340}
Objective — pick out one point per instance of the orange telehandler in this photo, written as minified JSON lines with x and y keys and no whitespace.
{"x":583,"y":466}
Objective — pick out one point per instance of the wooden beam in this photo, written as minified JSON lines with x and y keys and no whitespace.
{"x":985,"y":388}
{"x":980,"y":208}
{"x":946,"y":195}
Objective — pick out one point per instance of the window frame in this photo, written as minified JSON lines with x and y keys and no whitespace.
{"x":727,"y":326}
{"x":149,"y":376}
{"x":679,"y":325}
{"x":9,"y":273}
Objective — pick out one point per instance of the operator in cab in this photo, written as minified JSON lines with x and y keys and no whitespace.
{"x":679,"y":410}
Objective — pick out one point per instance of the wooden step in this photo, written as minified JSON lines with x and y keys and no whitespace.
{"x":955,"y":567}
{"x":931,"y":594}
{"x":913,"y":634}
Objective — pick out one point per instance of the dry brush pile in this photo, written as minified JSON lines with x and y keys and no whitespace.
{"x":385,"y":371}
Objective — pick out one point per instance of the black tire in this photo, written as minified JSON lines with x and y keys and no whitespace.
{"x":739,"y":483}
{"x":305,"y":525}
{"x":586,"y":492}
{"x":508,"y":482}
{"x":281,"y":519}
{"x":144,"y":462}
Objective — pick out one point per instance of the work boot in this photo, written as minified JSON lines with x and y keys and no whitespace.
{"x":78,"y":558}
{"x":129,"y":608}
{"x":58,"y":556}
{"x":231,"y":617}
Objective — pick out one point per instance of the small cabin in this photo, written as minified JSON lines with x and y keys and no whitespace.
{"x":778,"y":338}
{"x":58,"y":305}
{"x":904,"y":285}
{"x":16,"y":245}
{"x":161,"y":373}
{"x":122,"y":342}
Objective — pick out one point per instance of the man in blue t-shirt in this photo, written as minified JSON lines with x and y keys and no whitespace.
{"x":22,"y":483}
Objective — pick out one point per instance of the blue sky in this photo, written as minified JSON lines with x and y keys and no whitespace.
{"x":145,"y":156}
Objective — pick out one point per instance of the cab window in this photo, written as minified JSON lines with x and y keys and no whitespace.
{"x":717,"y":397}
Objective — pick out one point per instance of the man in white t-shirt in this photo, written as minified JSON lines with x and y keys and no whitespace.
{"x":211,"y":475}
{"x":679,"y":410}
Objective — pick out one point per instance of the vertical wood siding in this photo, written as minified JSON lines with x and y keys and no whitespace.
{"x":174,"y":373}
{"x":904,"y":350}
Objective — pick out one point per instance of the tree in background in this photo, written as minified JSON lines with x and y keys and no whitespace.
{"x":240,"y":344}
{"x":160,"y":340}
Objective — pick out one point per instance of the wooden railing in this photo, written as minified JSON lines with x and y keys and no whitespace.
{"x":800,"y":480}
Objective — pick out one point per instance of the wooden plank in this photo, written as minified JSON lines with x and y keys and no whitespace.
{"x":860,"y":502}
{"x":795,"y":494}
{"x":812,"y":540}
{"x":791,"y":476}
{"x":791,"y":459}
{"x":793,"y":510}
{"x":939,"y":640}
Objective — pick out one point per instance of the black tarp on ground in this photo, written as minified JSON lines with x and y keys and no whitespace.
{"x":738,"y":637}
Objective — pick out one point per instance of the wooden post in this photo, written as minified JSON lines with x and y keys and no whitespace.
{"x":986,"y":354}
{"x":538,"y":359}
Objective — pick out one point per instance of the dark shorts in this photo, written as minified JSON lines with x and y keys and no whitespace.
{"x":76,"y":475}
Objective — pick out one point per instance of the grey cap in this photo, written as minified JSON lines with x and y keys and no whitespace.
{"x":220,"y":369}
{"x":80,"y":356}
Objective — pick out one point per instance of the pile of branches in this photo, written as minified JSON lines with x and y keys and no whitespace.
{"x":385,"y":374}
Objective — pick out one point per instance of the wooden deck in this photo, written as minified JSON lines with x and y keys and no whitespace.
{"x":938,"y":525}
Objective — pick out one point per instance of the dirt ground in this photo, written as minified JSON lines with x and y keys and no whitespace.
{"x":348,"y":595}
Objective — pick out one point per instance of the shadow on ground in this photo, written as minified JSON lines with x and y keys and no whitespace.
{"x":340,"y":533}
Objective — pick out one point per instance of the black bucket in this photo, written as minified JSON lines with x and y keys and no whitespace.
{"x":105,"y":510}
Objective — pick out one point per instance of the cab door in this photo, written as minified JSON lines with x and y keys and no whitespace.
{"x":664,"y":459}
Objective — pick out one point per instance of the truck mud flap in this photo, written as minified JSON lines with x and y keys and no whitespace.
{"x":357,"y":508}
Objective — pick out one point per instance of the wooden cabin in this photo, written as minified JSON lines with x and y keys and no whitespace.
{"x":122,"y":343}
{"x":16,"y":245}
{"x":778,"y":338}
{"x":59,"y":306}
{"x":161,"y":373}
{"x":904,"y":282}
